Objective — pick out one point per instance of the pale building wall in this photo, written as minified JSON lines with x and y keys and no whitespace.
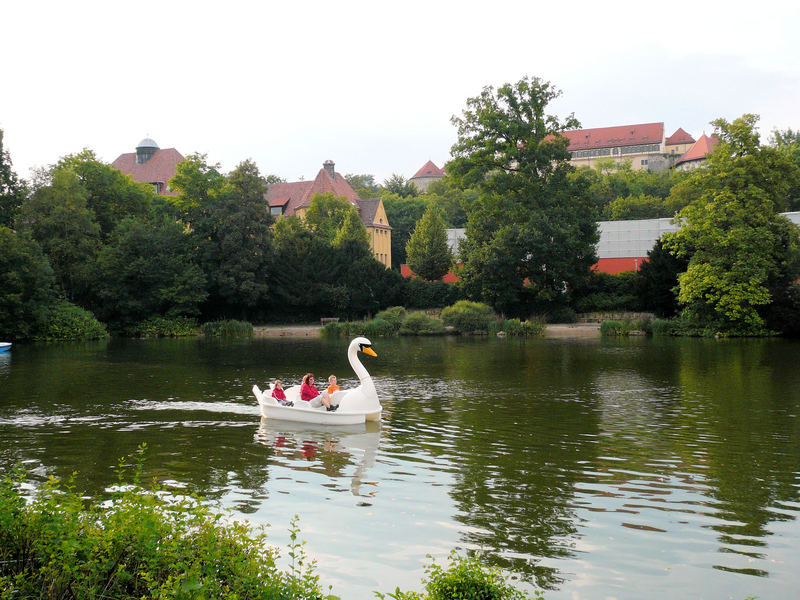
{"x":677,"y":149}
{"x":422,"y":183}
{"x":381,"y":238}
{"x":638,"y":155}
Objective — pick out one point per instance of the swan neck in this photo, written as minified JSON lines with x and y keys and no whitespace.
{"x":358,"y":368}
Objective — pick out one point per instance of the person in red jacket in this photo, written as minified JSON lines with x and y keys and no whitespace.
{"x":310,"y":393}
{"x":279,"y":395}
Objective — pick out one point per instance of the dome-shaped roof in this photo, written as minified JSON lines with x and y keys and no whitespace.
{"x":147,"y":143}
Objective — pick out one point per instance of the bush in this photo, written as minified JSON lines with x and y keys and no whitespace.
{"x":144,"y":544}
{"x":394,"y":315}
{"x":378,"y":328}
{"x":467,"y":317}
{"x":65,"y":321}
{"x":625,"y":327}
{"x":229,"y":328}
{"x":515,"y":327}
{"x":606,"y":292}
{"x":163,"y":327}
{"x":664,"y":327}
{"x":434,"y":294}
{"x":418,"y":323}
{"x":334,"y":329}
{"x":464,"y":579}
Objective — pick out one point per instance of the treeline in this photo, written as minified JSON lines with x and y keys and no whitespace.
{"x":84,"y":249}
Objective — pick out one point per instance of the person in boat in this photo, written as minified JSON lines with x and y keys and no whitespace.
{"x":279,"y":394}
{"x":310,"y":393}
{"x":332,"y":386}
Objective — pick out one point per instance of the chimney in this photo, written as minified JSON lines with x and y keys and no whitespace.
{"x":328,"y":166}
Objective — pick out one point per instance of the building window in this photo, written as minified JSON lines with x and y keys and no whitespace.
{"x":276,"y":211}
{"x":644,"y":161}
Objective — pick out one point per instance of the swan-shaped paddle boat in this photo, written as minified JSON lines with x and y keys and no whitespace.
{"x":356,"y":405}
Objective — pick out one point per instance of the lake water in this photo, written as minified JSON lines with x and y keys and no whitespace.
{"x":595,"y":469}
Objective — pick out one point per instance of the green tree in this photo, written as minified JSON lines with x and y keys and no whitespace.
{"x":352,"y":231}
{"x":737,"y":245}
{"x":658,"y":280}
{"x":531,"y":234}
{"x":451,"y":200}
{"x":58,"y":218}
{"x":429,"y":255}
{"x":197,"y":181}
{"x":403,"y":214}
{"x":26,"y":285}
{"x":397,"y":184}
{"x":12,"y":189}
{"x":110,"y":194}
{"x":147,"y":270}
{"x":640,"y":206}
{"x":364,"y":185}
{"x":231,"y":228}
{"x":326,"y":214}
{"x":788,"y":142}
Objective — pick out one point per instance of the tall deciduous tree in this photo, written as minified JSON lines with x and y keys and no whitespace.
{"x":231,"y":228}
{"x":738,"y":246}
{"x":326,"y":214}
{"x":110,"y":194}
{"x":397,"y":184}
{"x":429,"y":255}
{"x":146,"y":270}
{"x":58,"y":218}
{"x":12,"y":189}
{"x":530,"y":235}
{"x":26,"y":285}
{"x":403,"y":214}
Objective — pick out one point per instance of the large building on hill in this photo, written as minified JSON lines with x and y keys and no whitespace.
{"x":292,"y":199}
{"x":641,"y":144}
{"x":678,"y":143}
{"x":150,"y":164}
{"x":698,"y":152}
{"x":426,"y":175}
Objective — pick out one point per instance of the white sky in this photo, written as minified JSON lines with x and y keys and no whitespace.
{"x":372,"y":85}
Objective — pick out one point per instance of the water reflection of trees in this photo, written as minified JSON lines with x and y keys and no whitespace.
{"x":516,"y":438}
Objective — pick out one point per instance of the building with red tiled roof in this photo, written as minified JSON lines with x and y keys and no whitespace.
{"x":292,"y":199}
{"x":697,"y":154}
{"x":427,"y":174}
{"x":678,"y":143}
{"x":150,"y":164}
{"x":638,"y":143}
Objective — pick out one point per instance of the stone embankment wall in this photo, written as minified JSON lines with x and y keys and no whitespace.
{"x":599,"y":317}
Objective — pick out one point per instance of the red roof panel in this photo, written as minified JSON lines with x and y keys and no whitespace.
{"x":610,"y":137}
{"x":160,"y":168}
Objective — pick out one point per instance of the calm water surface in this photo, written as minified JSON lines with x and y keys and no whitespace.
{"x":593,"y":469}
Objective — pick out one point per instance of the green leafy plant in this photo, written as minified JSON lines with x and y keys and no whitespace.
{"x":163,"y":327}
{"x":419,"y":323}
{"x":229,"y":328}
{"x":142,"y":543}
{"x":394,"y":315}
{"x":65,"y":321}
{"x":468,"y":317}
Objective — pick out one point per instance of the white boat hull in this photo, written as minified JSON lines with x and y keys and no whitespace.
{"x":302,"y":412}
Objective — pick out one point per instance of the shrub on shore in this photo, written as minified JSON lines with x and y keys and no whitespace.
{"x":229,"y":328}
{"x":65,"y":321}
{"x":468,"y":317}
{"x":156,"y":327}
{"x":140,"y":544}
{"x":626,"y":327}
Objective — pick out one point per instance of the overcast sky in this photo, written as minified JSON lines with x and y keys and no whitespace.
{"x":372,"y":85}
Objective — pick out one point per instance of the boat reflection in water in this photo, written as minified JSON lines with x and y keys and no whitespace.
{"x":304,"y":447}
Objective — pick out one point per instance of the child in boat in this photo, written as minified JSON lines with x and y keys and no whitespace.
{"x":279,"y":395}
{"x":310,"y":393}
{"x":332,"y":387}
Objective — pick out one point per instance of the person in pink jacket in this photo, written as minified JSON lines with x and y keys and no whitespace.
{"x":310,"y":393}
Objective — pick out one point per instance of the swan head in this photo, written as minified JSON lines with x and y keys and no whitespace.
{"x":362,"y":344}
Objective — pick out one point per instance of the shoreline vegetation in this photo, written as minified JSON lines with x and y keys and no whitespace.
{"x":150,"y":542}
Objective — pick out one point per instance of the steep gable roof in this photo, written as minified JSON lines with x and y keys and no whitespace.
{"x":699,"y":150}
{"x":159,"y":168}
{"x":679,"y":137}
{"x":368,"y":211}
{"x":429,"y":169}
{"x":610,"y":137}
{"x":299,"y":193}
